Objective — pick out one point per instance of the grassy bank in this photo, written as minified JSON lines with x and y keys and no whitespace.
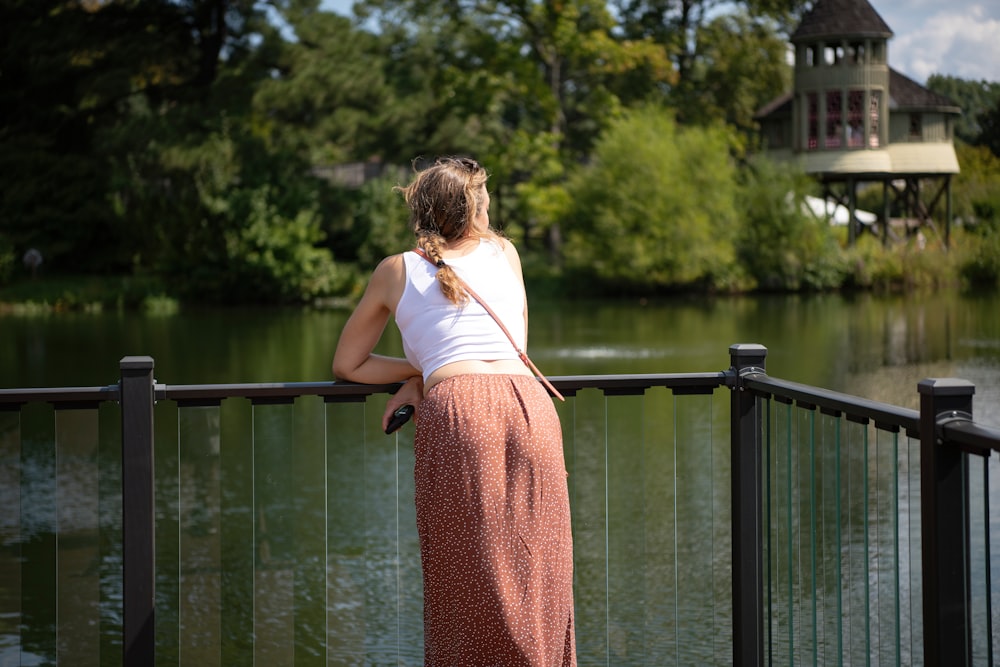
{"x":88,"y":293}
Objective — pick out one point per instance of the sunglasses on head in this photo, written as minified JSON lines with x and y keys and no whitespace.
{"x":466,"y":163}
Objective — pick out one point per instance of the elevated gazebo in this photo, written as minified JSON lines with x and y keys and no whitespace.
{"x":852,"y":119}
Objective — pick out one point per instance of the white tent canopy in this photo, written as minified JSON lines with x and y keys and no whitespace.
{"x":837,"y":214}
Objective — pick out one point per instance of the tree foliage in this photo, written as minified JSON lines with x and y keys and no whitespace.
{"x":781,"y":245}
{"x":976,"y":192}
{"x":743,"y":66}
{"x":980,"y":104}
{"x":657,"y":205}
{"x":193,"y":140}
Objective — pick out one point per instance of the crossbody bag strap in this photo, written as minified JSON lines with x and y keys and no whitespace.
{"x":520,"y":353}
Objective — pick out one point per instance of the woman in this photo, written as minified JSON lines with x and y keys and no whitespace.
{"x":491,"y":495}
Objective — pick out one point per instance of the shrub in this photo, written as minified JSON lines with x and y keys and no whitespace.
{"x":656,"y":207}
{"x":980,"y":267}
{"x":780,"y":245}
{"x":275,"y":258}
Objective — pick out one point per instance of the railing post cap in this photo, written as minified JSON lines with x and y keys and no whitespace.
{"x":747,"y":348}
{"x":747,"y":354}
{"x":946,"y":387}
{"x":136,"y":363}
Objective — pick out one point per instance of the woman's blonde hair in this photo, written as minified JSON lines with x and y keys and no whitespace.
{"x":444,"y":200}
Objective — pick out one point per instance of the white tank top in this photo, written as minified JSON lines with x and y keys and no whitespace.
{"x":437,"y":332}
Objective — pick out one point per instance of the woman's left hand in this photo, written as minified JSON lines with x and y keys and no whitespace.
{"x":411,"y":393}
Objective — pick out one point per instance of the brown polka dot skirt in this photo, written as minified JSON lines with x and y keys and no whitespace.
{"x":494,"y":525}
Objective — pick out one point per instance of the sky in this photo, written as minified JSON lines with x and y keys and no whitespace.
{"x":959,"y":38}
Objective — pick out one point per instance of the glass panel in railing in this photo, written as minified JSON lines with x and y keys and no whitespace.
{"x":856,"y":571}
{"x":38,"y":535}
{"x":702,"y":524}
{"x":883,"y":551}
{"x":626,"y":529}
{"x":274,"y":494}
{"x":237,"y":530}
{"x":199,"y":584}
{"x":346,"y":580}
{"x":811,"y":533}
{"x":654,"y":476}
{"x":309,"y":487}
{"x":587,"y":464}
{"x":10,"y":537}
{"x":166,"y":542}
{"x":982,"y":571}
{"x":392,"y":552}
{"x":78,"y":560}
{"x":722,"y":525}
{"x":829,"y":603}
{"x":777,"y":541}
{"x":374,"y":579}
{"x":110,"y":519}
{"x":410,"y":588}
{"x":804,"y":538}
{"x":911,"y":646}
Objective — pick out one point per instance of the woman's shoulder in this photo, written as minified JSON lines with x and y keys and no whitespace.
{"x":390,"y":269}
{"x":388,"y":280}
{"x":391,"y":262}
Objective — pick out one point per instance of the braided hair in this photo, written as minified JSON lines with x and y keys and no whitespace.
{"x":444,"y":199}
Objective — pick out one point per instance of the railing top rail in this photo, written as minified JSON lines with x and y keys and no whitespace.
{"x":970,"y":436}
{"x":12,"y":399}
{"x":637,"y":383}
{"x":568,"y":385}
{"x":346,"y":391}
{"x":886,"y":416}
{"x":270,"y":390}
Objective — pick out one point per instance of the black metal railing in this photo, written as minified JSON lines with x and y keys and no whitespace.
{"x":947,"y":436}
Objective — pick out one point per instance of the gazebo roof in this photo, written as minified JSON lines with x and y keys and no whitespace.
{"x":905,"y":93}
{"x":779,"y":107}
{"x":841,"y":18}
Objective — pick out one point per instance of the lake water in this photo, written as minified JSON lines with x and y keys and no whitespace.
{"x":876,"y":347}
{"x":345,"y":484}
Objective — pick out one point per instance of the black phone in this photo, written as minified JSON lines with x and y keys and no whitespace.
{"x":399,"y":417}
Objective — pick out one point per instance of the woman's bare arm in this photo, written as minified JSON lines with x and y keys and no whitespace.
{"x":353,"y":359}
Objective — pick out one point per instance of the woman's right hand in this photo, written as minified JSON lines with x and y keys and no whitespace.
{"x":411,"y":393}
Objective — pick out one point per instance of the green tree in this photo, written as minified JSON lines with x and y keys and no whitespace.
{"x":656,"y":207}
{"x":975,"y":98}
{"x":76,"y":78}
{"x":715,"y":45}
{"x":207,"y":194}
{"x":976,"y":190}
{"x":547,"y":67}
{"x":989,"y":123}
{"x":742,"y":67}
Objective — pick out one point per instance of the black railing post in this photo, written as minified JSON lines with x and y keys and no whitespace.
{"x":747,"y":513}
{"x":944,"y":505}
{"x":137,"y":395}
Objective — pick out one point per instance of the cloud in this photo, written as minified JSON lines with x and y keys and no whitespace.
{"x":965,"y":44}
